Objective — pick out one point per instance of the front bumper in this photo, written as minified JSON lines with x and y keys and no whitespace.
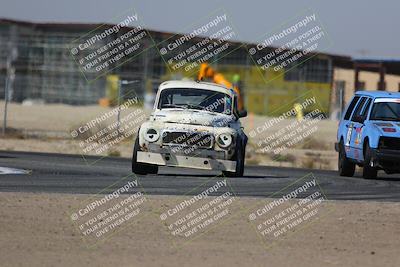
{"x":386,"y":155}
{"x":387,"y":159}
{"x":174,"y":160}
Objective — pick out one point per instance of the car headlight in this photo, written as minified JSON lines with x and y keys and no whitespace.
{"x":151,"y":135}
{"x":224,"y":140}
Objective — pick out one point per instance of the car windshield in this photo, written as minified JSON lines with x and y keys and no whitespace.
{"x":386,"y":111}
{"x":188,"y":98}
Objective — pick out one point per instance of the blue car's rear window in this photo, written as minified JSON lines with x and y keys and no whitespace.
{"x":351,"y":107}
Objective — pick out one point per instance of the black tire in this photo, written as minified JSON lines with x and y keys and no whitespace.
{"x":239,"y":157}
{"x":345,"y":166}
{"x":139,"y":167}
{"x":368,"y":171}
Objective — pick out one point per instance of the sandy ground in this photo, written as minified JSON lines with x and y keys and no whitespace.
{"x":64,"y":146}
{"x":36,"y":230}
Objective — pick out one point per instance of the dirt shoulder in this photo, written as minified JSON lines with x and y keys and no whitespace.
{"x":36,"y":230}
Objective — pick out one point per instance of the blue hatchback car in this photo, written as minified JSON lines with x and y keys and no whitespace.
{"x":369,"y":134}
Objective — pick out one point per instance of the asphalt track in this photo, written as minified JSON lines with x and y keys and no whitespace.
{"x":59,"y":173}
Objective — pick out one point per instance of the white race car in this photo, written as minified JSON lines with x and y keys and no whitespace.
{"x":193,"y":125}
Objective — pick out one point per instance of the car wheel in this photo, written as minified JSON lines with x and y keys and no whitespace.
{"x":368,"y":171}
{"x":139,"y":167}
{"x":239,"y":157}
{"x":345,"y":166}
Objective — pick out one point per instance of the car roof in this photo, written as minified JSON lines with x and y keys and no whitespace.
{"x":196,"y":85}
{"x":378,"y":94}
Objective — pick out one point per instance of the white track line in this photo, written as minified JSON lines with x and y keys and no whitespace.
{"x":5,"y":170}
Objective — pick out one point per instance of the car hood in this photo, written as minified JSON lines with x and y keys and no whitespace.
{"x":194,"y":117}
{"x":381,"y":125}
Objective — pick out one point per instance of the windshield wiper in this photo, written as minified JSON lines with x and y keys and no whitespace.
{"x":193,"y":106}
{"x":386,"y":119}
{"x":173,"y":106}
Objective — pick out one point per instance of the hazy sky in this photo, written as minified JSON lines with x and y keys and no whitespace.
{"x":357,"y":27}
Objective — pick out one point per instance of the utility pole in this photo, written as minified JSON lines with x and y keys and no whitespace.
{"x":5,"y":106}
{"x":10,"y":76}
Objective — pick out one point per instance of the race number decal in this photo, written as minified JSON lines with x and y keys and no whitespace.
{"x":348,"y":137}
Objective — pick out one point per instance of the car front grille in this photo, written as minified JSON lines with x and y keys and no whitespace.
{"x":188,"y":139}
{"x":392,"y":143}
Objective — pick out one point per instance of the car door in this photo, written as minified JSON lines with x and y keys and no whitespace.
{"x":345,"y":126}
{"x":357,"y":121}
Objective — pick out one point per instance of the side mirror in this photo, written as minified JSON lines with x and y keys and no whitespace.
{"x":242,"y":113}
